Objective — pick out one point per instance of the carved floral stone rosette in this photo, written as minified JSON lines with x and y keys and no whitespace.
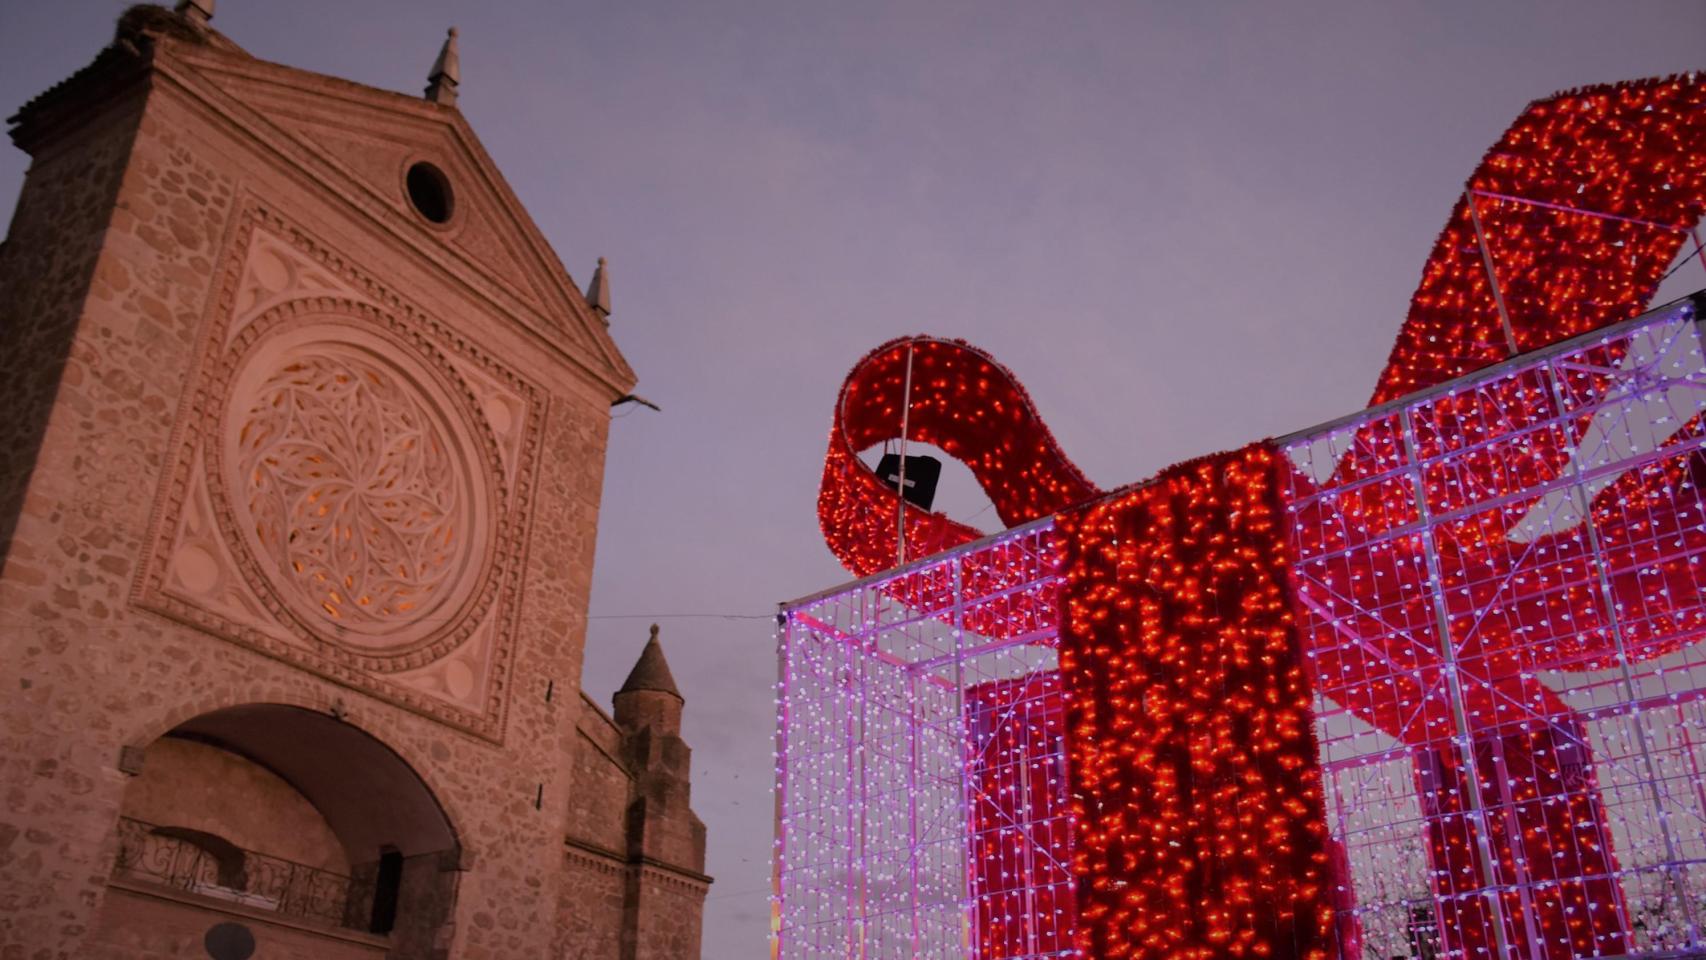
{"x":340,"y":469}
{"x":350,"y":486}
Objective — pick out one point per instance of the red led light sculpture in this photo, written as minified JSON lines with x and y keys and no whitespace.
{"x":1448,"y":573}
{"x":1577,"y":213}
{"x":1190,"y":741}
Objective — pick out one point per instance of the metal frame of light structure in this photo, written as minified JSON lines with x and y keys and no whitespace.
{"x":1543,"y":516}
{"x":907,"y":740}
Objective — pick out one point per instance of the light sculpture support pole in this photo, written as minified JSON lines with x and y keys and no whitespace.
{"x":779,"y":852}
{"x":1492,"y":274}
{"x":900,"y":479}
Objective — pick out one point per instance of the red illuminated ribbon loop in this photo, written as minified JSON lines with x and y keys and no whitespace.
{"x":1584,"y":202}
{"x":967,"y":404}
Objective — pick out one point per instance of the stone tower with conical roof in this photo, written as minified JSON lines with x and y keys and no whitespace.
{"x":300,"y":467}
{"x":648,"y":699}
{"x":639,"y":755}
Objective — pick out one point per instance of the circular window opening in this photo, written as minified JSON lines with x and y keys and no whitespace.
{"x":429,"y":191}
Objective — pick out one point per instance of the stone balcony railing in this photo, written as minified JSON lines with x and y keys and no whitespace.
{"x":209,"y":866}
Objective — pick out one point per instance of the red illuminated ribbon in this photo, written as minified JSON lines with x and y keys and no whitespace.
{"x":971,"y":407}
{"x":1584,"y":202}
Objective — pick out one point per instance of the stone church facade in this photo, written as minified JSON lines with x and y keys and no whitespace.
{"x":299,"y":486}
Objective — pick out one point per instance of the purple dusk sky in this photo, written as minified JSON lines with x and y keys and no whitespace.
{"x":1184,"y":226}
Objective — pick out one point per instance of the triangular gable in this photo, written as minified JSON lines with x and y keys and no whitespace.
{"x":378,"y":157}
{"x":370,"y":137}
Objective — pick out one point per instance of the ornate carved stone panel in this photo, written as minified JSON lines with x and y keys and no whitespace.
{"x":350,"y":485}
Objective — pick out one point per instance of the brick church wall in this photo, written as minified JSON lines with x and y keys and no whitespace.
{"x":591,"y":915}
{"x":669,"y":915}
{"x":621,"y":898}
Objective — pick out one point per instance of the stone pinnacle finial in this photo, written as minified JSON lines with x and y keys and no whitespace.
{"x":598,"y":298}
{"x":446,"y":73}
{"x":200,"y":11}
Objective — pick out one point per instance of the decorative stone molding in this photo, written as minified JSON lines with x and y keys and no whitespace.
{"x":675,"y":878}
{"x":351,"y":484}
{"x":604,"y":860}
{"x":594,"y":859}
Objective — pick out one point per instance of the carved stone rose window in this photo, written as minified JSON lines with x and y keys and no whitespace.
{"x":354,"y":473}
{"x":349,"y":489}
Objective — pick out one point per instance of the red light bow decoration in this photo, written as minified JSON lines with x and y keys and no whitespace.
{"x":971,"y":407}
{"x":1233,"y":627}
{"x":1179,"y":586}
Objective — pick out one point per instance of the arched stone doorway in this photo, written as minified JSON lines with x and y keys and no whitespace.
{"x":305,"y":829}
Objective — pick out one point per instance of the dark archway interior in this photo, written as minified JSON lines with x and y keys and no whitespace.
{"x":372,"y":800}
{"x":352,"y":840}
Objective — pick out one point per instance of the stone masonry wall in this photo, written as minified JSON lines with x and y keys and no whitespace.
{"x":598,"y":806}
{"x":669,"y":909}
{"x":140,"y":926}
{"x":95,"y":673}
{"x":629,"y":811}
{"x":46,"y":266}
{"x":592,"y":912}
{"x":59,"y":783}
{"x":594,"y":907}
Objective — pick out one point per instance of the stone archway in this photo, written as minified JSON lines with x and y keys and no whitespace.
{"x":312,"y":832}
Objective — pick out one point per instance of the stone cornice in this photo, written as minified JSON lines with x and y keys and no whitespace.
{"x":641,"y":863}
